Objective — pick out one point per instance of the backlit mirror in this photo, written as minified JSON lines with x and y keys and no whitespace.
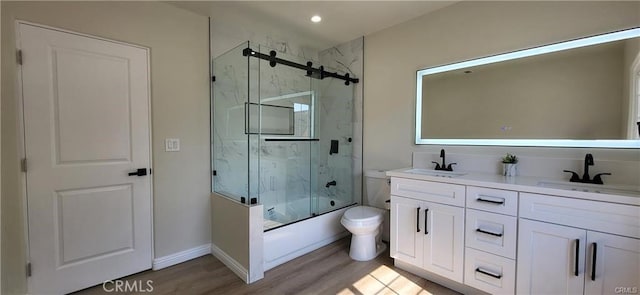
{"x":579,"y":93}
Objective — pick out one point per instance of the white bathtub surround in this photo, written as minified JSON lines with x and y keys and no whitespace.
{"x":304,"y":207}
{"x":294,"y":240}
{"x":623,"y":164}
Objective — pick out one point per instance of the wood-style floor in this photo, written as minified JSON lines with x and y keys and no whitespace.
{"x":328,"y":270}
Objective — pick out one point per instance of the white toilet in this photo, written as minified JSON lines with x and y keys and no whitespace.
{"x":365,"y":222}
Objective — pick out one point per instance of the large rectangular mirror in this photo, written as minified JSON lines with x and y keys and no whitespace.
{"x":579,"y":93}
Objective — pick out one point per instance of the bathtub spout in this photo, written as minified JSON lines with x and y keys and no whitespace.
{"x":330,"y":183}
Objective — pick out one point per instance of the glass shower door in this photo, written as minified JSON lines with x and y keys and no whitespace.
{"x":287,"y":139}
{"x":334,"y":154}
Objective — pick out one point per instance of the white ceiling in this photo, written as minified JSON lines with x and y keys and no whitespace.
{"x":342,"y":21}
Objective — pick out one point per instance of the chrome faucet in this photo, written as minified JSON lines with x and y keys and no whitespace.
{"x":443,"y":167}
{"x":588,"y":161}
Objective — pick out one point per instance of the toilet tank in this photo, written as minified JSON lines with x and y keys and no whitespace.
{"x":377,"y":188}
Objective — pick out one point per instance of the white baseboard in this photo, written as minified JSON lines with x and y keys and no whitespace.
{"x":180,"y":257}
{"x":231,"y":263}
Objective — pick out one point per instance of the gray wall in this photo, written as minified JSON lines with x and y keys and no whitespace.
{"x":464,"y":31}
{"x":180,"y":109}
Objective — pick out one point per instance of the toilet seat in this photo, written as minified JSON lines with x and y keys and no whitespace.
{"x":362,"y":216}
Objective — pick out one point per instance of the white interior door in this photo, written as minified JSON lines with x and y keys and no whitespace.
{"x":86,"y":121}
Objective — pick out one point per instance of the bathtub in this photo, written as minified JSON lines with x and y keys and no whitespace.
{"x":284,"y":243}
{"x":285,"y":213}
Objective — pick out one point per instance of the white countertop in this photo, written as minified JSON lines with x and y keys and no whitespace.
{"x":522,"y":184}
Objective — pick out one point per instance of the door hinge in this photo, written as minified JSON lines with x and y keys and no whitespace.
{"x":214,"y":173}
{"x":19,"y":57}
{"x":23,"y":164}
{"x":213,"y":78}
{"x":29,"y":269}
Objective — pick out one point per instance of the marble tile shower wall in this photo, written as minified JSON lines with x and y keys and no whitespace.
{"x":288,"y":170}
{"x":346,"y":58}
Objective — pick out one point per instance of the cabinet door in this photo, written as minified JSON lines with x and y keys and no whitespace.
{"x":617,"y":264}
{"x":550,"y":259}
{"x":406,"y":230}
{"x":444,"y":240}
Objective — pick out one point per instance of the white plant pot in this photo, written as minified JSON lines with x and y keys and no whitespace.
{"x":510,"y":169}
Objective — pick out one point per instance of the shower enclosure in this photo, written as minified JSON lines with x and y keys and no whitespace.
{"x":282,"y":132}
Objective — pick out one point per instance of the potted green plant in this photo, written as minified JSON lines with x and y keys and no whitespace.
{"x":510,"y":165}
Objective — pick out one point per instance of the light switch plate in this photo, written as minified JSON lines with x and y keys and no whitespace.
{"x":172,"y":145}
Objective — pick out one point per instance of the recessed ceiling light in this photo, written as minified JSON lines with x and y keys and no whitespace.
{"x":316,"y":18}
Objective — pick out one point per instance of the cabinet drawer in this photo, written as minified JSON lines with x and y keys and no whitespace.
{"x":490,"y":232}
{"x":443,"y":193}
{"x":591,"y":215}
{"x":490,"y":273}
{"x":492,"y":200}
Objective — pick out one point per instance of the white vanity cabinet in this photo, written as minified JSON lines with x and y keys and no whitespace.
{"x":427,"y":226}
{"x":570,"y":256}
{"x":506,"y":236}
{"x":490,"y":239}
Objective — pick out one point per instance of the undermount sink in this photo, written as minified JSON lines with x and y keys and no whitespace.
{"x":590,"y":188}
{"x":437,"y":173}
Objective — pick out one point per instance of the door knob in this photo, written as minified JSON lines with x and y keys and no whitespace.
{"x":139,"y":172}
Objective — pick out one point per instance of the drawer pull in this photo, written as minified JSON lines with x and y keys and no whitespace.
{"x":575,"y":269}
{"x":426,"y":220}
{"x":593,"y":261}
{"x":490,"y":201}
{"x":418,"y":219}
{"x":489,"y":233}
{"x":484,"y":272}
